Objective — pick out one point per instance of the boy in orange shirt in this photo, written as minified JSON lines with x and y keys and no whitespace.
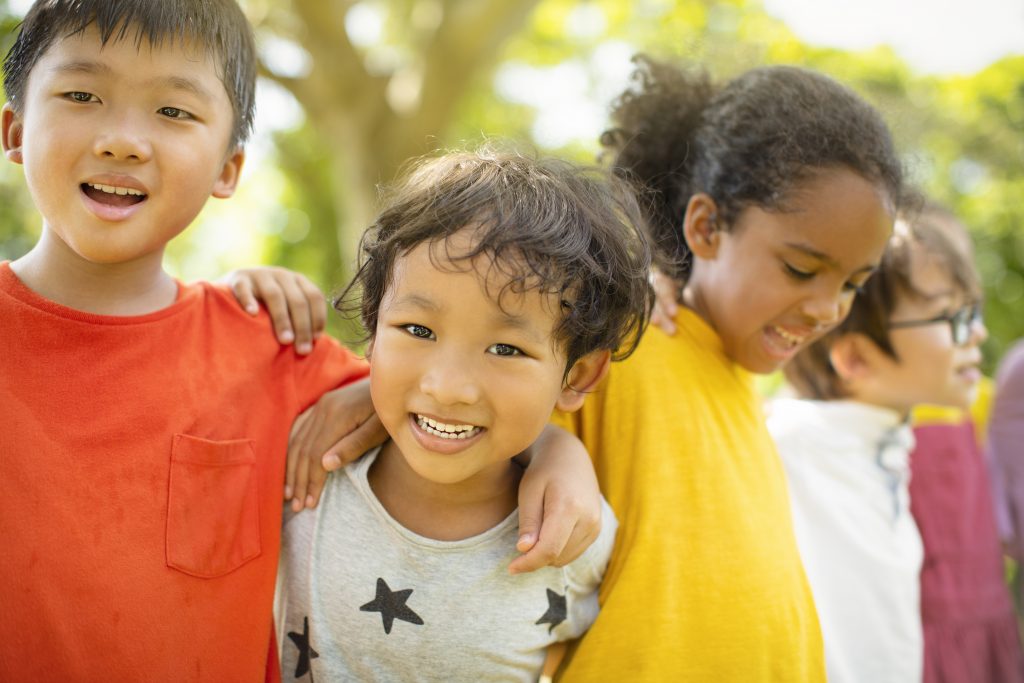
{"x":144,"y":422}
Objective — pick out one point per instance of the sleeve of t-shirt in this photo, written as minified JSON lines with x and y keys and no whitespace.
{"x":329,"y":366}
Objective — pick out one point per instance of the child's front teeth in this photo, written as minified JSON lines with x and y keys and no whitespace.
{"x":445,"y":431}
{"x":794,"y":340}
{"x":111,"y":189}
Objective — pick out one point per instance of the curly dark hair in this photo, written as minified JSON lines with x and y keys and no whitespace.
{"x":929,"y":227}
{"x":219,"y":26}
{"x":546,"y":224}
{"x":748,"y":142}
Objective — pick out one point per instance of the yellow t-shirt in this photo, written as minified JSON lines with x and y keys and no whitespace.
{"x":705,"y":582}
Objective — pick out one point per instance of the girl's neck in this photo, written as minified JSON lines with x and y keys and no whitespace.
{"x":445,"y":512}
{"x":693,"y":300}
{"x":54,"y":271}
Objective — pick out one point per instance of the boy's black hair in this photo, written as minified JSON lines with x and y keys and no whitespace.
{"x":746,"y":143}
{"x":932,"y":229}
{"x":219,"y":26}
{"x":547,"y":224}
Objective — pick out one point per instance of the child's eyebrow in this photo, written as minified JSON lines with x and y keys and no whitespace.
{"x":183,"y":84}
{"x":82,"y":66}
{"x":508,"y":321}
{"x":416,"y":301}
{"x":85,"y":66}
{"x":823,"y":257}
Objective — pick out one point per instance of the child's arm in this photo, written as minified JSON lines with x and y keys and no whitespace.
{"x":333,"y":432}
{"x":296,"y":306}
{"x":559,"y":502}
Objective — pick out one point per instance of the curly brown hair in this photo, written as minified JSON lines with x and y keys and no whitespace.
{"x":748,"y":142}
{"x":546,"y":224}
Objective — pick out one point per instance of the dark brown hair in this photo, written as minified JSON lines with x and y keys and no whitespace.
{"x":546,"y":224}
{"x":938,"y":233}
{"x":746,"y":143}
{"x":217,"y":25}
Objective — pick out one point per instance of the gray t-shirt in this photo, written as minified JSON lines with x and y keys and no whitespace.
{"x":362,"y":598}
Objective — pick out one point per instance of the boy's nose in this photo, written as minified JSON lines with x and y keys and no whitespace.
{"x":122,"y":143}
{"x":450,"y":381}
{"x":979,"y":333}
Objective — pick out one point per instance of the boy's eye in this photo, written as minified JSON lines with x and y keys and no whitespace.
{"x":418,"y":331}
{"x":504,"y":350}
{"x":79,"y":96}
{"x":174,"y":113}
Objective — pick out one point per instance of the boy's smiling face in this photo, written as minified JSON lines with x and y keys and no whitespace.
{"x":929,"y":367}
{"x":462,"y":384}
{"x":122,"y":145}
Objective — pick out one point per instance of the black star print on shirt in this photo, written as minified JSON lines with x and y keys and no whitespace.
{"x":556,"y":611}
{"x":306,"y":653}
{"x":391,"y":605}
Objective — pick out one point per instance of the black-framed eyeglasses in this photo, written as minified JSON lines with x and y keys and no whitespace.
{"x":960,"y":322}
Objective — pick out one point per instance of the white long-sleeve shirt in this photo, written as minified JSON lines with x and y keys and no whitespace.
{"x":847,"y":465}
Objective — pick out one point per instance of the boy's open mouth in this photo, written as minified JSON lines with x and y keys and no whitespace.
{"x":446,"y":431}
{"x":112,"y":195}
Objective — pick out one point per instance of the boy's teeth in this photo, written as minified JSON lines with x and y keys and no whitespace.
{"x":445,"y":431}
{"x":111,"y":189}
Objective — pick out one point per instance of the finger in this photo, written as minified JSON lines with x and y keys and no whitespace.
{"x":301,"y":484}
{"x":662,"y":321}
{"x":317,"y":306}
{"x":367,"y":435}
{"x":583,"y":534}
{"x":531,"y":510}
{"x":296,"y":442}
{"x":277,"y":306}
{"x":317,"y":478}
{"x":242,"y":289}
{"x":544,"y":553}
{"x":299,"y":311}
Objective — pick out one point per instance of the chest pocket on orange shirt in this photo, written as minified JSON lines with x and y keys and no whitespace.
{"x":213,"y":524}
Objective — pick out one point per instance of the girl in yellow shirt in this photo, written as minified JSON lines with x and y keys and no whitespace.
{"x":771,"y":199}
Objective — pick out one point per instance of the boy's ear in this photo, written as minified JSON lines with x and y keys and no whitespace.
{"x":700,"y":226}
{"x":583,"y":378}
{"x":852,"y":356}
{"x":12,"y":130}
{"x":227,"y":181}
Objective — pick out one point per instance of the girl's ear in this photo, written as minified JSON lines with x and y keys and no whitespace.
{"x":700,"y":226}
{"x":12,"y":133}
{"x":583,"y":378}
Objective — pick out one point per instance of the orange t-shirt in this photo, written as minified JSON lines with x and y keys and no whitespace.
{"x":142,"y":466}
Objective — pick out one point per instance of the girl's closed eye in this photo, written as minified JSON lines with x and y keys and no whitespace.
{"x":418,"y":331}
{"x":505,"y":350}
{"x":796,"y":273}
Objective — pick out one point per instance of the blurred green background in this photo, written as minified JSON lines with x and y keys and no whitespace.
{"x":351,"y":89}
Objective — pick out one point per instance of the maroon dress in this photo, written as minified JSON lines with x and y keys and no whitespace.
{"x":970,"y":629}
